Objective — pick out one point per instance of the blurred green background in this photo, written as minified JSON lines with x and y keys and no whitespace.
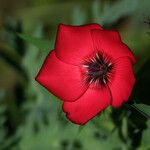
{"x":30,"y":117}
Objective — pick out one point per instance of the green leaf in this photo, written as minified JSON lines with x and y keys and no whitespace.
{"x":2,"y":94}
{"x":143,"y":109}
{"x":145,"y":144}
{"x":78,"y":15}
{"x":119,"y":9}
{"x":81,"y":128}
{"x":41,"y":44}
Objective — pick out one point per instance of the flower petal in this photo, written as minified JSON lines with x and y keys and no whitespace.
{"x":73,"y":43}
{"x":122,"y":81}
{"x":61,"y":79}
{"x":87,"y":106}
{"x":110,"y":43}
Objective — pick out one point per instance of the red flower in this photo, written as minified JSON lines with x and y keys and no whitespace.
{"x":89,"y":69}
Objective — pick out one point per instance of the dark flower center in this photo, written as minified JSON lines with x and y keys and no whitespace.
{"x":98,"y":69}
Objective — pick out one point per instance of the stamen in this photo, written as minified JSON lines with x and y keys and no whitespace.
{"x":98,"y":69}
{"x":91,"y":81}
{"x":109,"y":64}
{"x":97,"y":55}
{"x":85,"y":66}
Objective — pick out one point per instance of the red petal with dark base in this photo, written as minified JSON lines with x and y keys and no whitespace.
{"x":61,"y":79}
{"x":110,"y":43}
{"x":74,"y":43}
{"x":122,"y":81}
{"x":87,"y":106}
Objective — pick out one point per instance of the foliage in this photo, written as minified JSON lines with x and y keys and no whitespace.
{"x":30,"y":117}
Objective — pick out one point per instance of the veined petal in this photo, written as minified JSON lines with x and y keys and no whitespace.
{"x":87,"y":106}
{"x":61,"y":79}
{"x":110,"y":43}
{"x":122,"y":81}
{"x":73,"y":43}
